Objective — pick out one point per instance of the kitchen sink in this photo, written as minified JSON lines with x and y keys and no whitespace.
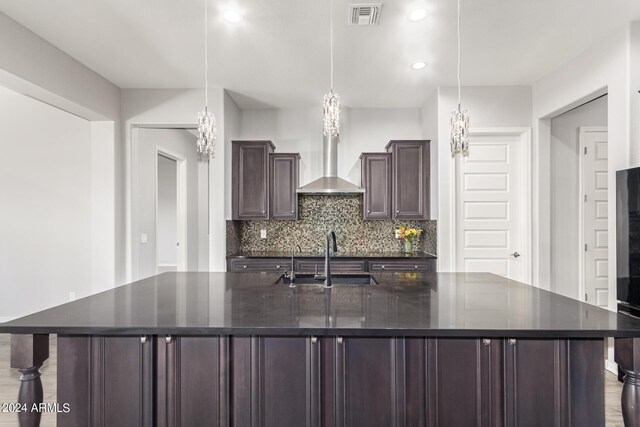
{"x":337,"y":279}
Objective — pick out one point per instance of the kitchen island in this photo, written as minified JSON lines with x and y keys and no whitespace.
{"x":244,"y":349}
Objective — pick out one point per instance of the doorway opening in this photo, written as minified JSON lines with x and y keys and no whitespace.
{"x":578,"y":190}
{"x":170,"y":219}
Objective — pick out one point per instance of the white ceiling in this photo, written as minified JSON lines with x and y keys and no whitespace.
{"x":279,"y":54}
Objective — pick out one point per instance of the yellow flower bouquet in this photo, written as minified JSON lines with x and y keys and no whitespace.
{"x":407,"y":234}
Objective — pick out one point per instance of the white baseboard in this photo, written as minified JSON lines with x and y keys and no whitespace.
{"x":611,"y":366}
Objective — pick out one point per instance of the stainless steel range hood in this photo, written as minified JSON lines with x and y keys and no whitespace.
{"x":330,"y":183}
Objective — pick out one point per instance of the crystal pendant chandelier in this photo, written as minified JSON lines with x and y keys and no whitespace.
{"x":459,"y":118}
{"x":206,"y":143}
{"x":331,"y":101}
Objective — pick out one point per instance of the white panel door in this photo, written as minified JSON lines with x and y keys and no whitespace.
{"x":489,"y":220}
{"x":595,"y":232}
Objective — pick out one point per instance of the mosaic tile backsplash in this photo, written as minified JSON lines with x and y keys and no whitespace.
{"x":317,"y":214}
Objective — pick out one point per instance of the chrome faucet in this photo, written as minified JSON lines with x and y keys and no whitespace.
{"x":292,"y":275}
{"x":331,"y":235}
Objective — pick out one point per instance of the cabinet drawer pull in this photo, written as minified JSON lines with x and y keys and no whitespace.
{"x":415,"y":266}
{"x":244,"y":266}
{"x":382,"y":267}
{"x":277,"y":266}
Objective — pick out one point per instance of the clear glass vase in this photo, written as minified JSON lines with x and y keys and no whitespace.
{"x":408,"y":247}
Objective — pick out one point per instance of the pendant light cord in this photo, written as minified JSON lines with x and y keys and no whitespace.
{"x":331,"y":41}
{"x":206,"y":60}
{"x":458,"y":53}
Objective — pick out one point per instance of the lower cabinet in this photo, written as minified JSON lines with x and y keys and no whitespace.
{"x":330,"y":381}
{"x":337,"y":266}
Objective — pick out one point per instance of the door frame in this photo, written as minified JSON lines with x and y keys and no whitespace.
{"x":181,"y":205}
{"x":582,"y":285}
{"x":524,"y":133}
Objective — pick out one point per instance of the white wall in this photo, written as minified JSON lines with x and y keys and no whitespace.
{"x":232,"y":118}
{"x":300,"y":130}
{"x":170,"y":108}
{"x":45,"y":205}
{"x":488,"y":107}
{"x":429,"y":122}
{"x":32,"y":66}
{"x":167,"y":211}
{"x":602,"y":68}
{"x":565,"y":193}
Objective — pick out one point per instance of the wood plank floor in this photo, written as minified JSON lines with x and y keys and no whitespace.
{"x":9,"y":383}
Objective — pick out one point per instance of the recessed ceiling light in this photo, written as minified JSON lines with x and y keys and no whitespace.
{"x":418,"y":14}
{"x":419,"y":65}
{"x":232,"y":16}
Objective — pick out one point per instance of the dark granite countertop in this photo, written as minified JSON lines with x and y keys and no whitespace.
{"x":401,"y":304}
{"x":287,"y":254}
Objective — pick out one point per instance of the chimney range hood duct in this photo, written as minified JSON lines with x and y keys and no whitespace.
{"x":330,"y":183}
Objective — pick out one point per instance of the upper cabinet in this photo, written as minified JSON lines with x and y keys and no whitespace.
{"x":283,"y":199}
{"x":410,"y":179}
{"x":250,"y":180}
{"x":376,"y":180}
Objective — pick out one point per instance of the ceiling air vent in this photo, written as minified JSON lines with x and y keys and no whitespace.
{"x":364,"y":14}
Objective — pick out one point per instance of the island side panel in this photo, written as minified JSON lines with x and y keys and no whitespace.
{"x":272,"y":380}
{"x":118,"y":374}
{"x":544,"y":382}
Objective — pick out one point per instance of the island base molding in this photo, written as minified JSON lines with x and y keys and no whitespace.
{"x":328,"y":381}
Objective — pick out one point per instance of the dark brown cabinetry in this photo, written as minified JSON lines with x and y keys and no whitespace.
{"x":330,"y":381}
{"x":390,"y":266}
{"x":108,"y":381}
{"x":410,"y":179}
{"x":252,"y":265}
{"x":283,"y":199}
{"x":338,"y":265}
{"x":376,"y":180}
{"x":250,"y":179}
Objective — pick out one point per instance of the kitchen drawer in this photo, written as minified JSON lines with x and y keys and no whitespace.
{"x":427,"y":265}
{"x":337,"y":266}
{"x":257,"y":264}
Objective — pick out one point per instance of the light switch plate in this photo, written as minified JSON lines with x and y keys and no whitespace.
{"x":143,"y":238}
{"x":263,"y":234}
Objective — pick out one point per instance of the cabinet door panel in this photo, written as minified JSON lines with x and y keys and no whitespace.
{"x":190,"y":380}
{"x":410,"y":179}
{"x":272,"y":381}
{"x":336,"y":266}
{"x":401,"y":265}
{"x":460,"y":375}
{"x":365,"y":398}
{"x":284,"y":182}
{"x":534,"y":390}
{"x":376,"y":180}
{"x":252,"y":265}
{"x":251,"y":179}
{"x":108,"y":381}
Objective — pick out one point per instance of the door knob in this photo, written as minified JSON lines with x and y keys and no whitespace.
{"x":515,"y":255}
